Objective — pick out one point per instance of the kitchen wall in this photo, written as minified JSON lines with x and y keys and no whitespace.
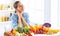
{"x":54,"y":13}
{"x":40,"y":10}
{"x":34,"y":7}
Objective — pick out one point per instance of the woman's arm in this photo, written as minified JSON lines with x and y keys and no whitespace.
{"x":23,"y":21}
{"x":19,"y":20}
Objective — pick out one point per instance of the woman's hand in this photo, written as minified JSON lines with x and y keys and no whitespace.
{"x":23,"y":21}
{"x":19,"y":19}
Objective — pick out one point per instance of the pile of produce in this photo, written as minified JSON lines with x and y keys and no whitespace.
{"x":36,"y":29}
{"x":9,"y":34}
{"x":44,"y":29}
{"x":24,"y":30}
{"x":19,"y":31}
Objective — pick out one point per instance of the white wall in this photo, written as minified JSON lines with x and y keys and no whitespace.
{"x":54,"y":13}
{"x":6,"y":1}
{"x":47,"y":11}
{"x":59,"y":13}
{"x":37,"y":13}
{"x":35,"y":9}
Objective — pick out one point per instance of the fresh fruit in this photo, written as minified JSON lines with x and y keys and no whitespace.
{"x":40,"y":31}
{"x":14,"y":32}
{"x":37,"y":27}
{"x":8,"y":34}
{"x":55,"y":31}
{"x":33,"y":29}
{"x":27,"y":34}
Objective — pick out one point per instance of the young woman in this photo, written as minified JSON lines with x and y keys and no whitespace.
{"x":19,"y":18}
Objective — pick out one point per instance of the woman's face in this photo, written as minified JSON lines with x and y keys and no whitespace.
{"x":20,"y":7}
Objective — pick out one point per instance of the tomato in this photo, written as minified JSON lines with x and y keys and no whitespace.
{"x":27,"y":34}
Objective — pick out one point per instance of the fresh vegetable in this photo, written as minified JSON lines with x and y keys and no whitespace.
{"x":27,"y":34}
{"x":48,"y":25}
{"x":26,"y":29}
{"x":19,"y":29}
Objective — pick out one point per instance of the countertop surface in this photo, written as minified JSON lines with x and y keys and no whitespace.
{"x":6,"y":26}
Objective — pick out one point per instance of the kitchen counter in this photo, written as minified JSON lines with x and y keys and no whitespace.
{"x":58,"y":34}
{"x":6,"y":26}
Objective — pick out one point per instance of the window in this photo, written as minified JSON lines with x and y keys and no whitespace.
{"x":35,"y":9}
{"x":51,"y":12}
{"x":54,"y":13}
{"x":47,"y":11}
{"x":59,"y":13}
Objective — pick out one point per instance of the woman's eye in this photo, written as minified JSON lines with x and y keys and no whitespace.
{"x":20,"y":6}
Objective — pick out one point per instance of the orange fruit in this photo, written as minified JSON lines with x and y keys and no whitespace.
{"x":14,"y":32}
